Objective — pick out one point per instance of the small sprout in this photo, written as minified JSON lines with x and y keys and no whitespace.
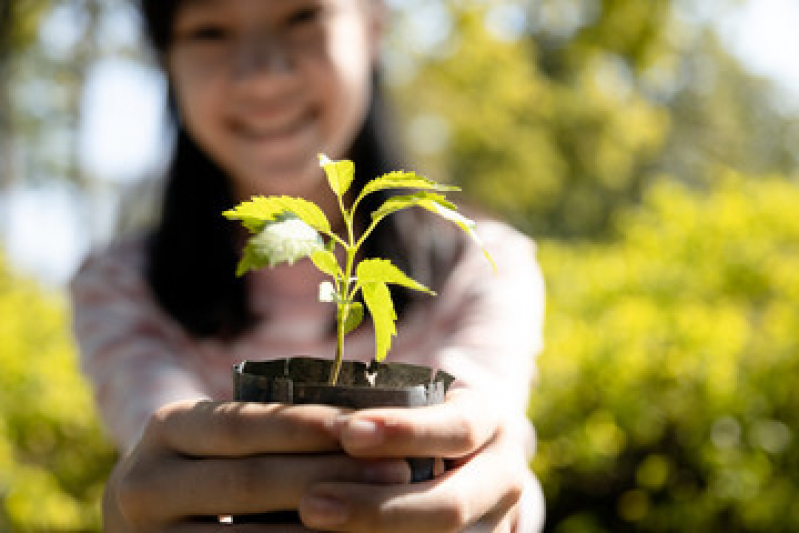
{"x":286,"y":229}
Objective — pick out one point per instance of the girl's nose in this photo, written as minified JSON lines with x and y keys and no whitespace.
{"x":261,"y":54}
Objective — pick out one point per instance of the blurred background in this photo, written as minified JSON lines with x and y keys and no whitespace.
{"x":650,"y":147}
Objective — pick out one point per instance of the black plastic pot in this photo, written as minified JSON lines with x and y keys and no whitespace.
{"x":303,"y":380}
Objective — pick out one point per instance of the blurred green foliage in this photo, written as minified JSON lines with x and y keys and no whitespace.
{"x":669,"y":392}
{"x":556,"y":113}
{"x":53,"y":457}
{"x":19,"y":24}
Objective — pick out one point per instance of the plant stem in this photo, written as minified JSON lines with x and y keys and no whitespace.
{"x":334,"y":372}
{"x":345,"y":298}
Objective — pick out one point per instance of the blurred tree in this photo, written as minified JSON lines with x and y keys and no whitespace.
{"x":53,"y":457}
{"x":557,"y":112}
{"x":18,"y":23}
{"x":52,"y":48}
{"x":726,"y":117}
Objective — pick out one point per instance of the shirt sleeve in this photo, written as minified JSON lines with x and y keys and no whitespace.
{"x":491,"y":330}
{"x":133,"y":354}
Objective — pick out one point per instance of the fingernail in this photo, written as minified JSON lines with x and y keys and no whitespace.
{"x":387,"y":472}
{"x":362,"y":434}
{"x":322,"y":510}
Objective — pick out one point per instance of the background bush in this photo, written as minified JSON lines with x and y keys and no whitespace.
{"x":669,"y":392}
{"x":53,"y":458}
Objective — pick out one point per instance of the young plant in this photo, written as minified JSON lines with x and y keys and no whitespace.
{"x":286,"y":229}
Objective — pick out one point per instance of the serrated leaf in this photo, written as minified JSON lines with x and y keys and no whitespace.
{"x":464,"y":223}
{"x":325,"y":261}
{"x":354,"y":316}
{"x":384,"y":271}
{"x":339,"y":174}
{"x":381,"y":308}
{"x":403,"y":180}
{"x":424,"y":199}
{"x":256,"y":212}
{"x":438,"y":204}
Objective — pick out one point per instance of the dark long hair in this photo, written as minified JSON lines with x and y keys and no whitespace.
{"x":192,"y":251}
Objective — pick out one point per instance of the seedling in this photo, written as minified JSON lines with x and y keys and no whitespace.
{"x":286,"y":229}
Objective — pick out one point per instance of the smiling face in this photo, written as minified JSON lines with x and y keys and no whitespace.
{"x":264,"y":86}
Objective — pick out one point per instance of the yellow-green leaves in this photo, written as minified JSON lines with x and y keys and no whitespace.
{"x":326,"y":262}
{"x":402,"y":180}
{"x":425,"y":199}
{"x":254,"y":214}
{"x":435,"y":203}
{"x":284,"y":240}
{"x":384,"y":271}
{"x":373,"y":277}
{"x":286,"y":229}
{"x":351,"y":315}
{"x":378,"y":300}
{"x":339,"y":174}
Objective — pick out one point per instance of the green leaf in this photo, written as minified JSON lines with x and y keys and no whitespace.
{"x":384,"y":271}
{"x":326,"y":262}
{"x":339,"y":174}
{"x":251,"y":260}
{"x":425,"y":199}
{"x":381,"y":308}
{"x":403,"y":180}
{"x":255,"y":213}
{"x":353,"y":317}
{"x":464,"y":223}
{"x":435,"y":203}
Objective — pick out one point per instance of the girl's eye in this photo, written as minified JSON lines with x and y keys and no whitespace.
{"x":307,"y":15}
{"x":208,"y":33}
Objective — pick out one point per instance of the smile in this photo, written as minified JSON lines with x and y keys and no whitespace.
{"x":271,"y":130}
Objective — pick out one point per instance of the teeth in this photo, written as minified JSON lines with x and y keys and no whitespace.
{"x":284,"y":122}
{"x":270,"y":130}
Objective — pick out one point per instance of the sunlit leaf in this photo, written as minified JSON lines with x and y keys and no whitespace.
{"x":251,"y":260}
{"x":435,"y":203}
{"x":255,"y":213}
{"x":353,"y":317}
{"x":384,"y":271}
{"x":381,"y":308}
{"x":403,"y":180}
{"x":339,"y":174}
{"x":421,"y":199}
{"x":325,"y":261}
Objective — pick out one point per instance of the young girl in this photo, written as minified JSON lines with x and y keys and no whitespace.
{"x":258,"y":89}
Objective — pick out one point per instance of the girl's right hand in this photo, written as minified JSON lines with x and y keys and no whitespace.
{"x":199,"y":460}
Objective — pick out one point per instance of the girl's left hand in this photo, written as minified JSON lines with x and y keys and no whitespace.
{"x":479,"y":492}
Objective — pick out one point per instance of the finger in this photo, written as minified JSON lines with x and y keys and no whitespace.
{"x":241,"y":486}
{"x":237,"y":429}
{"x":498,"y":521}
{"x":480,"y":494}
{"x":461,"y":425}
